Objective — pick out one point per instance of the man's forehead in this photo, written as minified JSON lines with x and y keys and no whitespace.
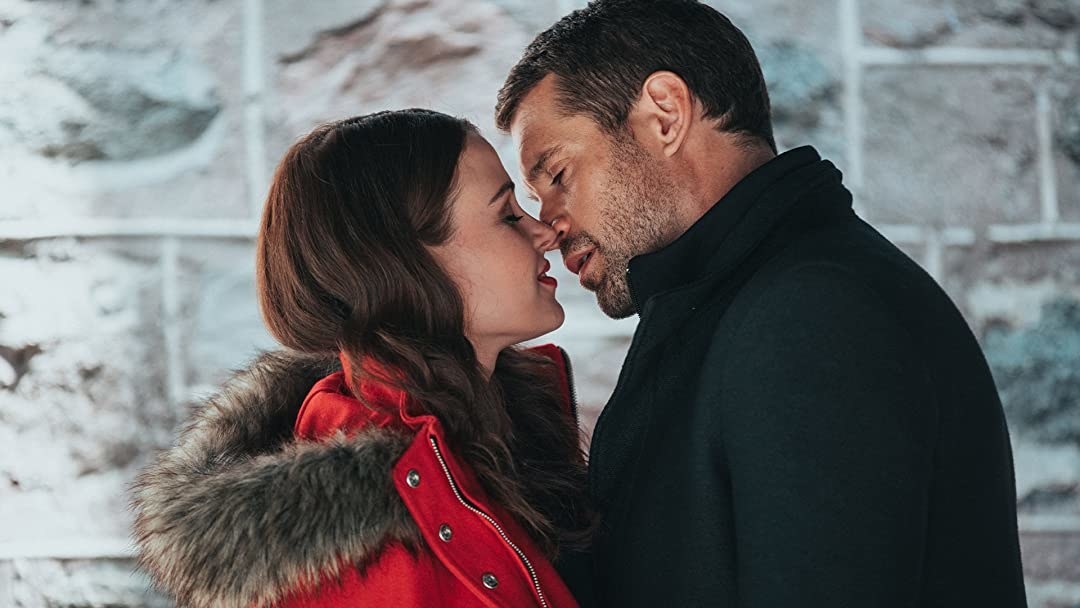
{"x":529,"y":147}
{"x":538,"y":140}
{"x":537,"y":116}
{"x":532,"y":130}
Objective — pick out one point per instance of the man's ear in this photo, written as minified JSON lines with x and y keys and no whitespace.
{"x":663,"y":113}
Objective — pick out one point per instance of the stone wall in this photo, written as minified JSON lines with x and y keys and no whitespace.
{"x":137,"y":138}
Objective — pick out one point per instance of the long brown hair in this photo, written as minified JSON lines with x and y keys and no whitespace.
{"x":342,"y":265}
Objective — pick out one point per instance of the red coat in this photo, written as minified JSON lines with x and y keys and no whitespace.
{"x":476,"y":554}
{"x":240,"y":515}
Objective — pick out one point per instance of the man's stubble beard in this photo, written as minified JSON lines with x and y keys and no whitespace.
{"x":638,"y":214}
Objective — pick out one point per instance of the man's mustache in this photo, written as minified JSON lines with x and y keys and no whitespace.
{"x":577,"y":242}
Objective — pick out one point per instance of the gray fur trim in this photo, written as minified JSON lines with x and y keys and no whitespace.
{"x":238,"y":514}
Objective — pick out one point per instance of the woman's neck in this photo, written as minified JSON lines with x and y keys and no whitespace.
{"x":487,"y":362}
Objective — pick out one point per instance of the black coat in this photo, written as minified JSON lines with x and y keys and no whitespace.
{"x":803,"y":419}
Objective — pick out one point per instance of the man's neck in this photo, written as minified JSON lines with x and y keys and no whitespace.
{"x":714,"y":169}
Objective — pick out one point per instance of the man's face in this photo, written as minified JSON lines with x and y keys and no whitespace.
{"x":605,"y":195}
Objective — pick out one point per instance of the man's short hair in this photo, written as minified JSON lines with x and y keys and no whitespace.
{"x":602,"y":54}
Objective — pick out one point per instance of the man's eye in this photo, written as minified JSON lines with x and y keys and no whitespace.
{"x":557,"y":180}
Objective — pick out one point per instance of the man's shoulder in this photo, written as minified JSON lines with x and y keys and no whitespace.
{"x":826,"y":295}
{"x":846,"y":263}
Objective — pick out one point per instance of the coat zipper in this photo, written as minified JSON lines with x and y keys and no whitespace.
{"x":570,"y":381}
{"x":491,"y":520}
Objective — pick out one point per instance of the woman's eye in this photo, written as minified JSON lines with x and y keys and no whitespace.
{"x":513,"y":219}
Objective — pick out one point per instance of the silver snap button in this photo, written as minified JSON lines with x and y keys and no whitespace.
{"x":412,"y":478}
{"x":445,"y":533}
{"x":489,"y":580}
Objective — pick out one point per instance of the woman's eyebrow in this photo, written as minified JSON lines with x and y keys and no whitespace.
{"x":507,"y":187}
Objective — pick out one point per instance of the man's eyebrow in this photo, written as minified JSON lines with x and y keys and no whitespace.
{"x":540,"y":162}
{"x":507,"y":187}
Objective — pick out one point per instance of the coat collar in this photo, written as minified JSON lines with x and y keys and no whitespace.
{"x":377,"y":390}
{"x":732,"y":227}
{"x":775,"y":204}
{"x":393,"y":405}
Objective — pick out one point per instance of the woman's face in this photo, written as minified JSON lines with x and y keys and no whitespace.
{"x":496,"y":257}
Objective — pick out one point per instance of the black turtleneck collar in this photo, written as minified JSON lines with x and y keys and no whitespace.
{"x":694,"y":253}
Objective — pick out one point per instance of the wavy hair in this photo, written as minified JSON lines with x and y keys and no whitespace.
{"x":343,"y":265}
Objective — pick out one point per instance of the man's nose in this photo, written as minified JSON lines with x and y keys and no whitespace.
{"x":561,"y":226}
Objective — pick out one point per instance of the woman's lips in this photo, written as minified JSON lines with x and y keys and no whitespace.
{"x":546,"y":280}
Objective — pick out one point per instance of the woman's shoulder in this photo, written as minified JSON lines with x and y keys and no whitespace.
{"x":239,"y":509}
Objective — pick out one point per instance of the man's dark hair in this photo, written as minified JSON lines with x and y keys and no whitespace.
{"x":602,"y":54}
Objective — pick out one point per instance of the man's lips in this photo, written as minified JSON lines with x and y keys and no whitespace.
{"x":576,"y":262}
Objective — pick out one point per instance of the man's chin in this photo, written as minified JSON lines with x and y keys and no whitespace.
{"x":617,"y":313}
{"x":616,"y":306}
{"x":613,"y":302}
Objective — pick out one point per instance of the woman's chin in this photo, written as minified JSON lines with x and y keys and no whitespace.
{"x":553,"y":321}
{"x":559,"y":318}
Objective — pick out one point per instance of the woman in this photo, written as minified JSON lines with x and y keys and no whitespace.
{"x":438,"y":465}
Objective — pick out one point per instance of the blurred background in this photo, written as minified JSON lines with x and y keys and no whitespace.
{"x":137,"y":139}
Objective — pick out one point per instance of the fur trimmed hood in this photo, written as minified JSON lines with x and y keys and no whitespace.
{"x":238,"y":513}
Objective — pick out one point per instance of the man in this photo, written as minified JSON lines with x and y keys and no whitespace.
{"x":803,"y":418}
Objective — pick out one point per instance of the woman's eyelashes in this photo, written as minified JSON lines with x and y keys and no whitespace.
{"x":509,"y":216}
